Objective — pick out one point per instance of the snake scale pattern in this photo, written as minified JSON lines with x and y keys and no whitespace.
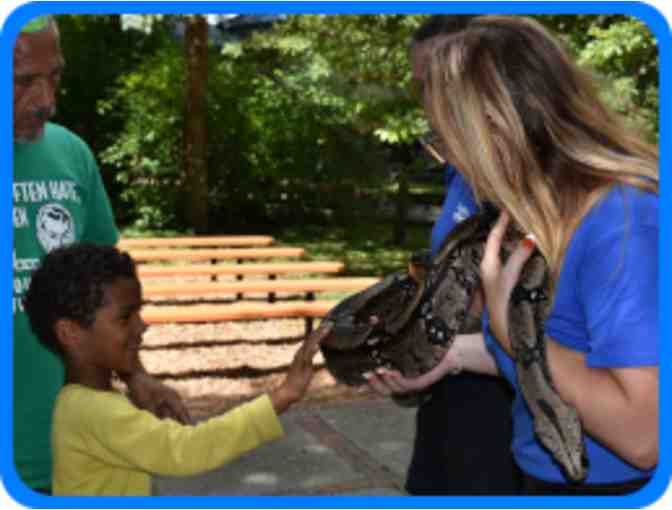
{"x":409,"y":320}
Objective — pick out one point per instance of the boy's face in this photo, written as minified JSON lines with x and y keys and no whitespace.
{"x":113,"y":341}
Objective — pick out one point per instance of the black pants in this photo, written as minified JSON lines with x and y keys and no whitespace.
{"x":463,"y":440}
{"x":535,"y":487}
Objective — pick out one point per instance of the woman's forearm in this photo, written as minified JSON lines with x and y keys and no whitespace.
{"x":468,"y":352}
{"x":618,"y":407}
{"x":473,"y":355}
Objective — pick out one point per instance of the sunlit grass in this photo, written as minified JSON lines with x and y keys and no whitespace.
{"x":364,"y":248}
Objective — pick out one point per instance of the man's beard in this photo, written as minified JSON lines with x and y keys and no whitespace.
{"x":26,"y":139}
{"x":44,"y":115}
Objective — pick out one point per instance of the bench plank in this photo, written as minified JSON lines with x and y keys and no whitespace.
{"x":150,"y":271}
{"x":159,"y":242}
{"x":237,"y":311}
{"x":308,"y":285}
{"x":214,"y":254}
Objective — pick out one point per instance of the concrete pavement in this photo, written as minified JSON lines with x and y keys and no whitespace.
{"x":355,"y":448}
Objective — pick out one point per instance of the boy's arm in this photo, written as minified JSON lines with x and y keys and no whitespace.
{"x":300,"y":372}
{"x":148,"y":393}
{"x":127,"y":436}
{"x":119,"y":434}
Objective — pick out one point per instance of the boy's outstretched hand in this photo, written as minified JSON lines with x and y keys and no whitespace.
{"x":300,"y":372}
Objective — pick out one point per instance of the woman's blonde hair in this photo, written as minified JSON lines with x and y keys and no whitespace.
{"x":526,"y":127}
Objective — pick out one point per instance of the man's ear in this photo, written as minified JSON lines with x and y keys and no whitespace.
{"x":68,"y":332}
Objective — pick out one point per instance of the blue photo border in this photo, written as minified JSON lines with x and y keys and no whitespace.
{"x":22,"y":494}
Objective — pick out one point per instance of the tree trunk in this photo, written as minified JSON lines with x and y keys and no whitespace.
{"x":195,"y":123}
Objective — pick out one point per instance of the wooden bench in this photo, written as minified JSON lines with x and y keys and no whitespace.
{"x":272,"y":269}
{"x":307,"y":286}
{"x":147,"y":271}
{"x":162,"y":242}
{"x":308,"y":310}
{"x":239,"y":254}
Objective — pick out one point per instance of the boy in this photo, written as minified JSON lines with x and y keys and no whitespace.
{"x":84,"y":303}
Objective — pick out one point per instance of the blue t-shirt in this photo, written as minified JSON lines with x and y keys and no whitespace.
{"x":606,"y":305}
{"x":458,"y":205}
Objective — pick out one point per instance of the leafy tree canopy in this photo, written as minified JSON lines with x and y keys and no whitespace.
{"x":302,"y":116}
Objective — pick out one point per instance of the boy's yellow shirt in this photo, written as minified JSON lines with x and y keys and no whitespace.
{"x":104,"y":445}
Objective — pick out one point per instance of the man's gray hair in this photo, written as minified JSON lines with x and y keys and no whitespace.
{"x":40,"y":24}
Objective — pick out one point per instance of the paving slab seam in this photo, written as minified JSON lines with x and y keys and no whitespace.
{"x":342,"y":488}
{"x":376,"y":474}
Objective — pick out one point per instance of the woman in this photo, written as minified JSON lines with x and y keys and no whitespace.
{"x":565,"y":169}
{"x":461,"y":446}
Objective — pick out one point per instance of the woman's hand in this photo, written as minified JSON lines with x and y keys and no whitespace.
{"x":598,"y":394}
{"x":387,"y":382}
{"x":498,"y":281}
{"x":468,"y":352}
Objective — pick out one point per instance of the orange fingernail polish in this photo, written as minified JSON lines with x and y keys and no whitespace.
{"x":529,"y":242}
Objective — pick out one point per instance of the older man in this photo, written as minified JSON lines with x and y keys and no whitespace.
{"x":59,"y":198}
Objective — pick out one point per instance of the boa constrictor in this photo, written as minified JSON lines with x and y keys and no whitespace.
{"x":409,"y":320}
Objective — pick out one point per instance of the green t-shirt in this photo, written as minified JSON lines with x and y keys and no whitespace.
{"x":59,"y":198}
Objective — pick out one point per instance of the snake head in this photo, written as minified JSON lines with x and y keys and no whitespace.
{"x":364,"y":328}
{"x":345,"y":333}
{"x":355,"y":319}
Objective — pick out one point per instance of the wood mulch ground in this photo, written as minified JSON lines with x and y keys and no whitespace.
{"x":214,"y":366}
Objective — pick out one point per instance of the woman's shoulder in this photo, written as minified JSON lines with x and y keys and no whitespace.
{"x":623,"y":207}
{"x":623,"y":212}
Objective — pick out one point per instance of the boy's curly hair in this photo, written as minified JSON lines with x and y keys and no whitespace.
{"x":69,"y":284}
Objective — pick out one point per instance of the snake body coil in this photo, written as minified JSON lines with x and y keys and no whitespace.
{"x":409,"y":320}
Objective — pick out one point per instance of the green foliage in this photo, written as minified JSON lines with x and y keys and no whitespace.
{"x":623,"y":53}
{"x":147,"y":155}
{"x":306,"y":118}
{"x":368,"y":70}
{"x":626,"y":53}
{"x":97,"y":51}
{"x":284,"y":123}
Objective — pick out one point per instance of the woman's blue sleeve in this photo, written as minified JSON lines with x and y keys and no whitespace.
{"x":618,"y":293}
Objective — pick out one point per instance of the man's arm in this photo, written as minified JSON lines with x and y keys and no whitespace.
{"x":148,"y":393}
